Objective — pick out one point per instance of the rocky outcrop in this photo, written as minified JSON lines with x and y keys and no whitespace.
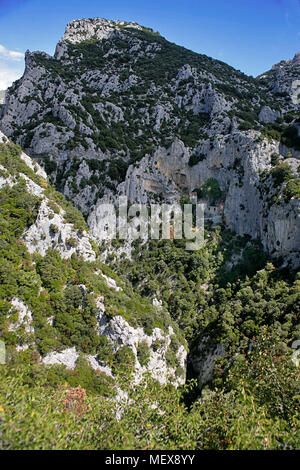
{"x":95,"y":29}
{"x":69,"y":357}
{"x":51,"y":231}
{"x":267,"y":115}
{"x":2,"y":98}
{"x":24,"y":316}
{"x":284,"y":79}
{"x":20,"y":321}
{"x":120,"y":333}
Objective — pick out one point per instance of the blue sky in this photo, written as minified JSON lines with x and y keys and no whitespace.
{"x":250,"y":35}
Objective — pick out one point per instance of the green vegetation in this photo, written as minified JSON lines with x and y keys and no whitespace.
{"x":194,"y":159}
{"x":256,"y":408}
{"x":250,"y":307}
{"x":190,"y":284}
{"x":210,"y":190}
{"x":292,"y":189}
{"x":143,"y":353}
{"x":285,"y":183}
{"x":123,"y":362}
{"x":51,"y":286}
{"x":117,"y":170}
{"x":286,"y":134}
{"x":281,"y":172}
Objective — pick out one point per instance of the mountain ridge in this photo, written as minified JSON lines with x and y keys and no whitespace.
{"x":127,"y":99}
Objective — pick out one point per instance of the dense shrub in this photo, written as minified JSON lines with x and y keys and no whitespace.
{"x":281,"y":173}
{"x":143,"y":353}
{"x":194,"y":159}
{"x":292,"y":189}
{"x":210,"y":190}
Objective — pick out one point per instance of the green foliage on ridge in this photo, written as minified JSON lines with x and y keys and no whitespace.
{"x":210,"y":294}
{"x":50,"y":286}
{"x":257,"y":408}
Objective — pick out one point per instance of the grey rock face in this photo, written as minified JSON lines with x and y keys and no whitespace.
{"x":22,"y":326}
{"x":96,"y":28}
{"x":120,"y":333}
{"x":203,"y":360}
{"x":296,"y":59}
{"x":267,"y":115}
{"x":49,"y":230}
{"x":67,"y":357}
{"x":41,"y":236}
{"x":24,"y":316}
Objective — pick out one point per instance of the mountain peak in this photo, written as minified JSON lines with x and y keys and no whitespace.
{"x":288,"y":62}
{"x":95,"y":28}
{"x":296,"y":59}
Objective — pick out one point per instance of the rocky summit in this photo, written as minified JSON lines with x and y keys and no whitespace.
{"x":121,"y":111}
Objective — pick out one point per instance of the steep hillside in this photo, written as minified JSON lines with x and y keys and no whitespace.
{"x":120,"y":110}
{"x":58,"y":301}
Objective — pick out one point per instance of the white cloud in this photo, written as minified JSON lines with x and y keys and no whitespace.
{"x":11,"y":55}
{"x":10,"y":67}
{"x":8,"y":75}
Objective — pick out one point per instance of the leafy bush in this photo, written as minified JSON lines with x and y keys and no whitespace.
{"x":211,"y":190}
{"x":257,"y":408}
{"x":143,"y":353}
{"x":287,"y":135}
{"x":281,"y":172}
{"x":124,"y":361}
{"x":194,"y":159}
{"x":292,"y":189}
